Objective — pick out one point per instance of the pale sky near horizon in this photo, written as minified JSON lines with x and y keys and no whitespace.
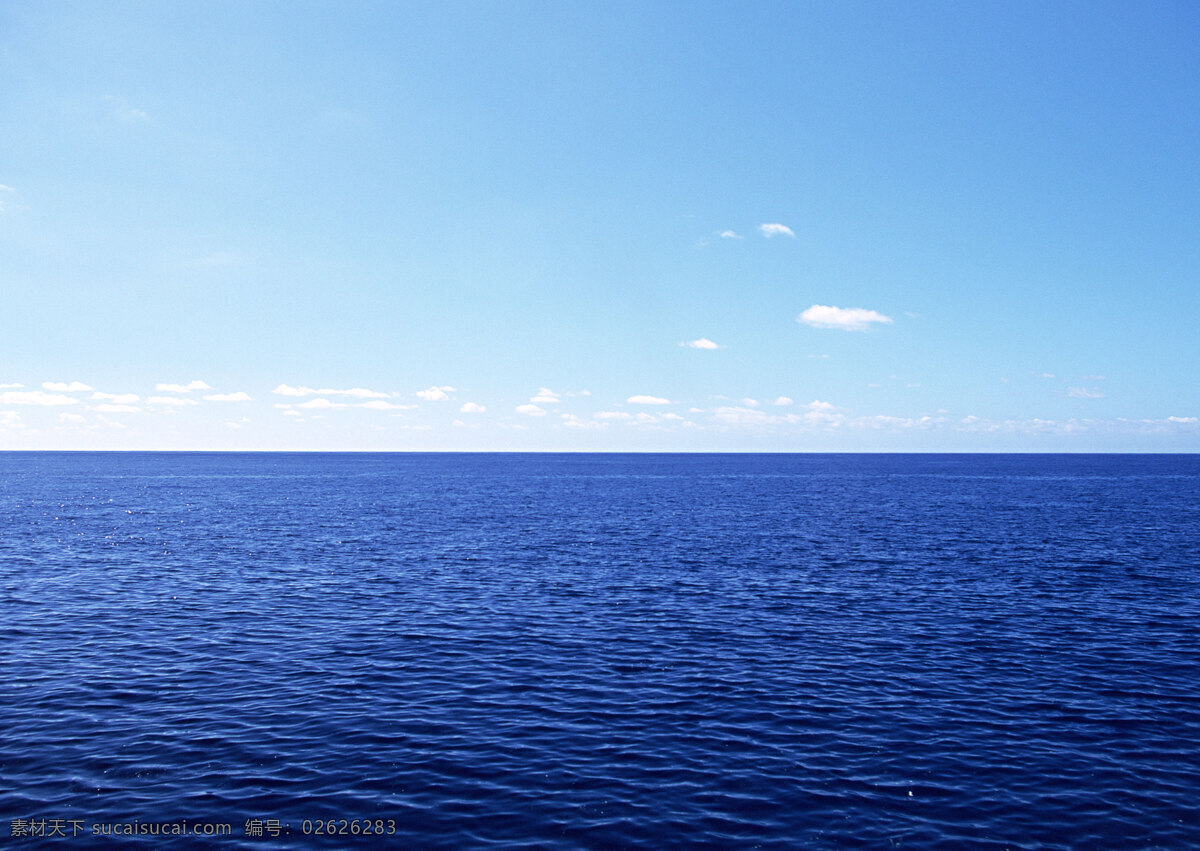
{"x":608,"y":226}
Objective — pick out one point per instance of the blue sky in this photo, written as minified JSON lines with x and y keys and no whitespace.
{"x":920,"y":226}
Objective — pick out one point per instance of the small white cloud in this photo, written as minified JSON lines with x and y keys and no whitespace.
{"x":321,"y":403}
{"x":843,"y":318}
{"x":750,"y":403}
{"x":228,"y":397}
{"x":35,"y":397}
{"x":530,"y":410}
{"x":702,"y":343}
{"x":674,"y":417}
{"x":11,"y":386}
{"x":123,"y":111}
{"x":182,"y":388}
{"x":648,"y":400}
{"x":116,"y":398}
{"x":612,"y":415}
{"x":1046,"y":375}
{"x":380,"y":405}
{"x":170,"y":401}
{"x":1183,"y":420}
{"x":728,"y":234}
{"x":646,"y":419}
{"x":776,"y":229}
{"x":356,"y":392}
{"x":292,"y":413}
{"x":109,"y":408}
{"x":66,"y":387}
{"x":572,"y":421}
{"x":783,"y":401}
{"x":818,"y":405}
{"x":436,"y":394}
{"x":1084,"y":393}
{"x":471,"y":408}
{"x":68,"y":418}
{"x":546,"y":396}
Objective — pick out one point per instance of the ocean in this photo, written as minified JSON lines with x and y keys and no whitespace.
{"x":600,"y":651}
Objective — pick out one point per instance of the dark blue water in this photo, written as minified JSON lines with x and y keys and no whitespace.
{"x":604,"y":651}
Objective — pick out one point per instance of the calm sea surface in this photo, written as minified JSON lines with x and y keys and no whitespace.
{"x":603,"y":651}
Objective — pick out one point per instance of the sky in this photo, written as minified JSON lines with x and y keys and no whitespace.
{"x":604,"y":226}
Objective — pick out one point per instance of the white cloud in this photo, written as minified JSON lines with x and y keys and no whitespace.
{"x":288,"y":390}
{"x":572,"y":421}
{"x":11,"y":386}
{"x":530,"y":410}
{"x":702,"y":343}
{"x":436,"y":394}
{"x":170,"y":401}
{"x":182,"y":388}
{"x":123,"y":111}
{"x":612,"y":415}
{"x":546,"y":396}
{"x":1084,"y":393}
{"x":229,"y":397}
{"x":776,"y":229}
{"x":728,"y":234}
{"x":783,"y":401}
{"x":66,"y":387}
{"x":646,"y":419}
{"x":292,"y":414}
{"x":380,"y":405}
{"x":356,"y":392}
{"x":70,"y":418}
{"x":116,"y":398}
{"x":321,"y":404}
{"x":648,"y":400}
{"x":34,"y":397}
{"x":109,"y":408}
{"x":1183,"y":420}
{"x":750,"y":403}
{"x":844,"y":318}
{"x":471,"y":408}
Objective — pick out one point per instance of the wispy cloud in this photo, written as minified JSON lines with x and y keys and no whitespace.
{"x":436,"y":394}
{"x":228,"y":397}
{"x":612,"y":415}
{"x":573,"y":421}
{"x":116,"y":398}
{"x":35,"y":397}
{"x":471,"y":408}
{"x":123,"y":111}
{"x":381,"y":405}
{"x":170,"y":401}
{"x":843,"y":318}
{"x":11,"y":386}
{"x":783,"y":401}
{"x":728,"y":234}
{"x":702,"y":343}
{"x":66,"y":386}
{"x":648,"y":400}
{"x":355,"y":392}
{"x":530,"y":410}
{"x":775,"y":229}
{"x":182,"y":388}
{"x":1084,"y":393}
{"x":546,"y":396}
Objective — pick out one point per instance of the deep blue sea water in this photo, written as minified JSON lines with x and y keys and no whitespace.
{"x":604,"y":651}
